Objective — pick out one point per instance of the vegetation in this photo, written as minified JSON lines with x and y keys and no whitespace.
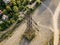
{"x":59,"y":39}
{"x":51,"y":41}
{"x":29,"y":35}
{"x":15,"y":9}
{"x":9,"y":14}
{"x":10,"y":11}
{"x":9,"y":33}
{"x":2,"y":5}
{"x":5,"y":35}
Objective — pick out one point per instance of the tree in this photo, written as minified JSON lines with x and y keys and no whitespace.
{"x":0,"y":28}
{"x":38,"y":1}
{"x":21,"y":7}
{"x":15,"y":9}
{"x":2,"y":5}
{"x":12,"y":21}
{"x":18,"y":3}
{"x":15,"y":16}
{"x":13,"y":2}
{"x":31,"y":1}
{"x":25,"y":2}
{"x":4,"y":11}
{"x":8,"y":8}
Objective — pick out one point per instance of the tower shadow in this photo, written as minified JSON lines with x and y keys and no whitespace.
{"x":42,"y":8}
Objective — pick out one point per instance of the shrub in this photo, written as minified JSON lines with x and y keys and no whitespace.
{"x":29,"y":35}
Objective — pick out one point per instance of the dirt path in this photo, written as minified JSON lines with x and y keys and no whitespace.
{"x":55,"y":25}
